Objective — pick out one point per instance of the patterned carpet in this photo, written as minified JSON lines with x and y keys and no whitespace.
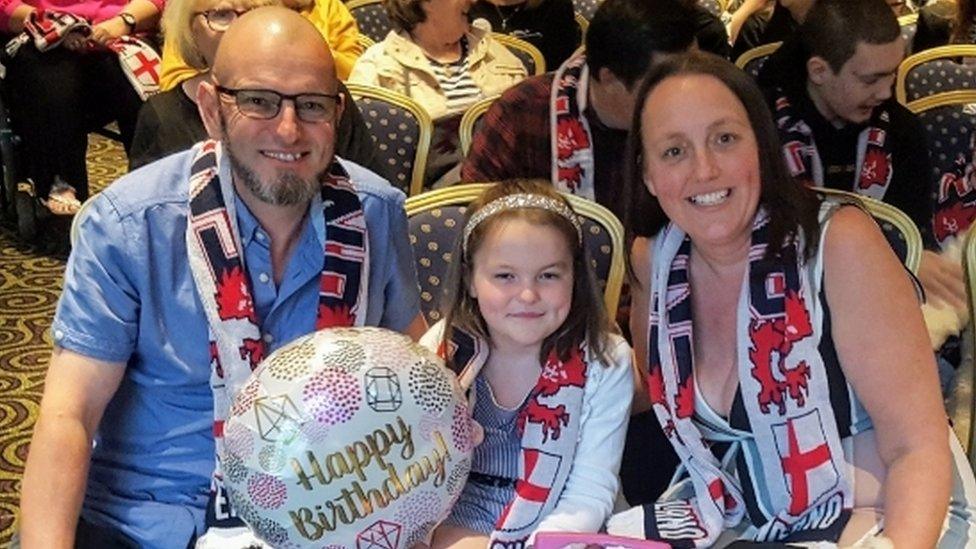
{"x":30,"y":282}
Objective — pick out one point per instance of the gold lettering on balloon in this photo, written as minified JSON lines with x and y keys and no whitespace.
{"x":359,"y":499}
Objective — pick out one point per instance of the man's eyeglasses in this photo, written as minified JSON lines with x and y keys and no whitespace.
{"x":266,"y":104}
{"x":220,"y":18}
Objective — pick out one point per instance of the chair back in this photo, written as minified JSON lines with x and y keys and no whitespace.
{"x":965,"y":427}
{"x":529,"y":55}
{"x":371,"y":18}
{"x":715,"y":7}
{"x":436,"y":219}
{"x":909,"y":26}
{"x":949,"y":119}
{"x":752,"y":60}
{"x":470,"y":122}
{"x":586,"y":8}
{"x":936,"y":71}
{"x":898,"y":229}
{"x":401,"y":130}
{"x":583,"y":23}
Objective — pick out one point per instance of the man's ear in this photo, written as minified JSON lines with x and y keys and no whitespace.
{"x":341,"y":106}
{"x":818,"y":69}
{"x":208,"y":103}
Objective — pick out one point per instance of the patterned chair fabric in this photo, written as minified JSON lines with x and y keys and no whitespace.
{"x":586,"y":8}
{"x":471,"y":121}
{"x":949,"y":128}
{"x":934,"y":71}
{"x":436,"y":218}
{"x":909,"y":26}
{"x":752,"y":60}
{"x":371,"y":18}
{"x":898,"y":229}
{"x":713,"y":6}
{"x":401,"y":130}
{"x":529,"y":55}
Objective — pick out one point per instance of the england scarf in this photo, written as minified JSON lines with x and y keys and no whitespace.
{"x":785,"y":392}
{"x":874,"y":169}
{"x":549,"y":424}
{"x":572,"y":141}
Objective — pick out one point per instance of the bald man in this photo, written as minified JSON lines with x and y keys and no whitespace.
{"x":185,"y":274}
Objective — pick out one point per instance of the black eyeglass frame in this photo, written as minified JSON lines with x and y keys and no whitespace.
{"x":234,"y":92}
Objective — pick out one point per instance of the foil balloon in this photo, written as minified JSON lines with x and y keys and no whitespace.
{"x":347,"y":438}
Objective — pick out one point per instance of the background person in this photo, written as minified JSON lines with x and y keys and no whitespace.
{"x":443,"y":62}
{"x":55,"y":97}
{"x":170,"y":122}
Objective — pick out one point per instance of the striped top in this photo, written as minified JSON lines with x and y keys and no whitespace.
{"x":455,"y":80}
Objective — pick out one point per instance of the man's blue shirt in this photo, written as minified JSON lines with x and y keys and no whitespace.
{"x":129,"y":297}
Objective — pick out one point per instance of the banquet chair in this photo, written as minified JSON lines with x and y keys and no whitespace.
{"x":909,"y":26}
{"x":965,"y":425}
{"x":471,"y":121}
{"x":586,"y":8}
{"x":898,"y":229}
{"x":529,"y":55}
{"x":436,"y":218}
{"x":752,"y":60}
{"x":715,"y":7}
{"x":401,"y":130}
{"x":935,"y":71}
{"x":371,"y":18}
{"x":949,"y":119}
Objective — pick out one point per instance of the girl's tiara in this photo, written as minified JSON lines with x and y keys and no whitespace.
{"x":522,"y":200}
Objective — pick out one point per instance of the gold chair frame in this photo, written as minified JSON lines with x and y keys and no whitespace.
{"x":955,"y":97}
{"x":969,"y":272}
{"x":466,"y":193}
{"x":512,"y":42}
{"x":758,"y":51}
{"x":891,"y":214}
{"x":912,"y":61}
{"x":359,"y":91}
{"x":469,"y":119}
{"x":583,"y":23}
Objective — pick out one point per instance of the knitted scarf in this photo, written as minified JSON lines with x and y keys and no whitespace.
{"x":804,"y":491}
{"x":800,"y":150}
{"x":572,"y":141}
{"x":955,"y":206}
{"x":549,"y":424}
{"x":217,"y":265}
{"x":47,"y":29}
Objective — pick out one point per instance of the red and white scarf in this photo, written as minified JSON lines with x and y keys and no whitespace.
{"x":572,"y":140}
{"x":874,"y":168}
{"x":955,"y":206}
{"x":217,"y":264}
{"x":800,"y":470}
{"x":549,"y":424}
{"x":47,"y":29}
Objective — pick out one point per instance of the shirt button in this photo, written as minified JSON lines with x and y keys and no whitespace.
{"x":260,"y":236}
{"x":58,"y":334}
{"x":268,"y":338}
{"x":264,"y":278}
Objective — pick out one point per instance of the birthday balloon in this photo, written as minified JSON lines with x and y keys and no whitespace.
{"x":347,"y":438}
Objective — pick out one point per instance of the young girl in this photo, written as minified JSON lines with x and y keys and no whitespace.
{"x":528,"y":336}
